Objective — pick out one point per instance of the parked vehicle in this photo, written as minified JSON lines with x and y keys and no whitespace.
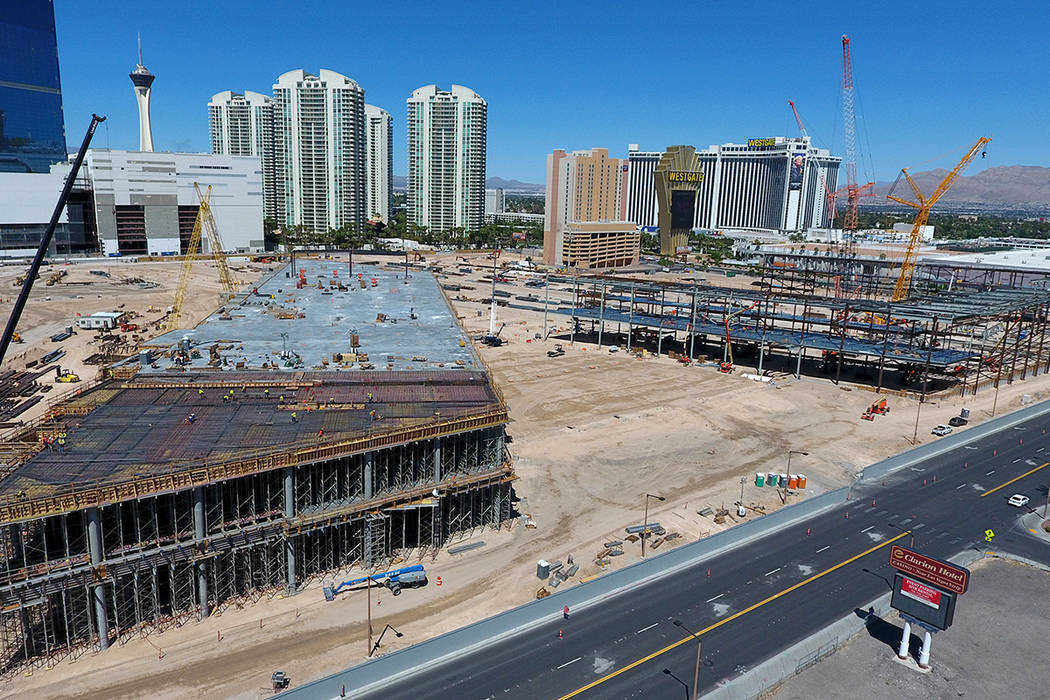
{"x":941,"y":429}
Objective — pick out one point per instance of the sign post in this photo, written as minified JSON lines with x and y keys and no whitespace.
{"x":925,"y":591}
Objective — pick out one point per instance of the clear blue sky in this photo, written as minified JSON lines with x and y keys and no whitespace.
{"x":930,"y":77}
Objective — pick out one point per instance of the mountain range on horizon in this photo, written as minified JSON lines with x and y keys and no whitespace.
{"x":1025,"y":186}
{"x":1005,"y":185}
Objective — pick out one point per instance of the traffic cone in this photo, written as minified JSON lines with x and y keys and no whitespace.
{"x":560,"y":634}
{"x":342,"y":691}
{"x":439,"y":581}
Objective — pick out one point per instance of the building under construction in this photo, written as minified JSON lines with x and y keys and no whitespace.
{"x":316,"y":423}
{"x":800,"y":321}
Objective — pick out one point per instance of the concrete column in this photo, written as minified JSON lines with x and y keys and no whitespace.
{"x":289,"y":512}
{"x":902,"y":652}
{"x":924,"y":655}
{"x":368,"y":475}
{"x":437,"y":460}
{"x":200,"y":533}
{"x":98,"y":591}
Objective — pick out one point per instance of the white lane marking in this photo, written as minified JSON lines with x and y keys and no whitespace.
{"x":647,"y":628}
{"x":1016,"y":461}
{"x":715,"y":598}
{"x":570,"y":662}
{"x":989,"y":473}
{"x":773,"y":571}
{"x":823,"y":548}
{"x":867,"y":528}
{"x":959,"y":486}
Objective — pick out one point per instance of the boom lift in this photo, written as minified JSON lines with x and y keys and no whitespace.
{"x":205,"y":221}
{"x":412,"y":576}
{"x":727,"y":367}
{"x":924,"y":204}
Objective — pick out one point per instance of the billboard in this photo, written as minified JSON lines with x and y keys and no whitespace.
{"x":939,"y":573}
{"x":798,"y":165}
{"x":517,"y":236}
{"x":683,"y":202}
{"x":923,"y":602}
{"x":754,"y":143}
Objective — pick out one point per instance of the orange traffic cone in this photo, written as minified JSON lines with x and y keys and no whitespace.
{"x":439,"y":581}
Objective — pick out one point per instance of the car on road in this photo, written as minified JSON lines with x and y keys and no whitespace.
{"x":1018,"y":500}
{"x":941,"y":429}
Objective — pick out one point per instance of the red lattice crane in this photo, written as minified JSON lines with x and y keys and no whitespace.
{"x":827,"y":191}
{"x":852,"y":191}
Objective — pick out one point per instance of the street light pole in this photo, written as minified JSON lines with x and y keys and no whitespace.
{"x":699,"y":653}
{"x":645,"y":519}
{"x":911,"y":542}
{"x":794,"y":452}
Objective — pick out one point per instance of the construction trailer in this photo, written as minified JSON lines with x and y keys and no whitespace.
{"x":149,"y":520}
{"x":792,"y":321}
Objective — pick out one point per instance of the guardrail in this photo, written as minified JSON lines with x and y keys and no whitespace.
{"x":375,"y":673}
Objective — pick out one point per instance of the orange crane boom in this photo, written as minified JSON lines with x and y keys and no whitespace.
{"x":924,"y":204}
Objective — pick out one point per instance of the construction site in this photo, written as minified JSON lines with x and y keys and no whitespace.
{"x":296,"y":431}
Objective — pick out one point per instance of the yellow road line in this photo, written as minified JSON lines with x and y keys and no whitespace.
{"x":732,"y":617}
{"x":1030,"y":471}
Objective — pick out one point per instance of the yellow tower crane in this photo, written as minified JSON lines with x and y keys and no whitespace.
{"x":924,"y":204}
{"x":205,"y":221}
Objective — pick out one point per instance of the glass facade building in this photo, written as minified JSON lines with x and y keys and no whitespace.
{"x":32,"y":134}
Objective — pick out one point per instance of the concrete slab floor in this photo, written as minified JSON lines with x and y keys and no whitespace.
{"x":417,"y":333}
{"x":994,"y":649}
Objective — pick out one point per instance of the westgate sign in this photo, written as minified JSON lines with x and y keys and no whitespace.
{"x":940,"y":573}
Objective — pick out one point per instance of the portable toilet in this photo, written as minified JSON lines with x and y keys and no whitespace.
{"x":771,"y":479}
{"x":760,"y":479}
{"x":965,"y":413}
{"x":783,"y":480}
{"x":543,"y":569}
{"x":802,"y":481}
{"x":792,"y":481}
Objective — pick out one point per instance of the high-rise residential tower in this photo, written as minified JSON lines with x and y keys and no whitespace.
{"x":32,"y":134}
{"x":319,"y":150}
{"x":242,"y":125}
{"x":379,"y":162}
{"x":142,"y":79}
{"x":446,"y":158}
{"x":581,"y":186}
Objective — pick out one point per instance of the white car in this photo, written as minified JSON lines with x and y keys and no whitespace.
{"x":1018,"y":501}
{"x":941,"y":429}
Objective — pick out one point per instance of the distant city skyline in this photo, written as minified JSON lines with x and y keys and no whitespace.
{"x":922,"y":96}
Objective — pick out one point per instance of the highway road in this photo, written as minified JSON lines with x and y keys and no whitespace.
{"x":752,"y":602}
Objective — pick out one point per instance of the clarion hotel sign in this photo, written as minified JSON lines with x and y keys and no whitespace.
{"x":940,"y":573}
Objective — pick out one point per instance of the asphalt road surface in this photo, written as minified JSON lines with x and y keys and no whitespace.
{"x":766,"y":595}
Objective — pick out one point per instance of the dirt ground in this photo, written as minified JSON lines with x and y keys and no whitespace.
{"x":592,"y":432}
{"x":143,"y":289}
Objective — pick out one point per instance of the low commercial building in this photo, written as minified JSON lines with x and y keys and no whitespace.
{"x":599,"y":244}
{"x":145,"y":203}
{"x":133,"y":203}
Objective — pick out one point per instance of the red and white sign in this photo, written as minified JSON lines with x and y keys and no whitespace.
{"x":927,"y":595}
{"x":940,"y":573}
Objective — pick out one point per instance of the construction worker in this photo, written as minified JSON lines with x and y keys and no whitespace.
{"x":61,"y":442}
{"x":281,"y":399}
{"x":320,"y":433}
{"x":225,"y":398}
{"x":565,"y":612}
{"x":295,"y":418}
{"x":266,"y":393}
{"x":200,"y":392}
